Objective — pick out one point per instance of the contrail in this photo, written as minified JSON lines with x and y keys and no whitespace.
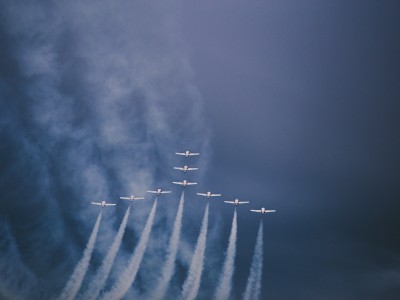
{"x":101,"y":276}
{"x":192,"y":283}
{"x":225,"y":283}
{"x":121,"y":287}
{"x":253,"y":288}
{"x":76,"y":279}
{"x":169,"y":266}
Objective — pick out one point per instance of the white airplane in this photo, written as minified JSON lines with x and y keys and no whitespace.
{"x":184,"y":183}
{"x":159,"y":192}
{"x":208,"y":195}
{"x":263,"y":210}
{"x":187,"y":153}
{"x":236,"y":202}
{"x":185,"y":168}
{"x":131,"y":198}
{"x":103,"y":203}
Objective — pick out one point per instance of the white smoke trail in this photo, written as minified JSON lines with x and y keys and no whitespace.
{"x":192,"y":283}
{"x":253,"y":288}
{"x":121,"y":287}
{"x":169,"y":266}
{"x":76,"y":279}
{"x":98,"y":281}
{"x":225,"y":283}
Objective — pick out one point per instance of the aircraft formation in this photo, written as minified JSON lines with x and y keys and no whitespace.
{"x":185,"y":183}
{"x":191,"y":285}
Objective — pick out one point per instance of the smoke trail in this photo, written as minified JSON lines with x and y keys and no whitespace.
{"x":98,"y":281}
{"x":192,"y":283}
{"x":121,"y":287}
{"x":253,"y":287}
{"x":169,"y":266}
{"x":225,"y":283}
{"x":76,"y":279}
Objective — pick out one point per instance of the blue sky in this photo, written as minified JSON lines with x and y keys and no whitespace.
{"x":293,"y":106}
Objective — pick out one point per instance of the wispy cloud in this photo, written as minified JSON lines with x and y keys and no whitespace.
{"x":98,"y":97}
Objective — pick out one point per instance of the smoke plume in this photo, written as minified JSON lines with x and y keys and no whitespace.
{"x":121,"y":287}
{"x":225,"y":284}
{"x":100,"y":278}
{"x":75,"y":282}
{"x":192,"y":283}
{"x":253,"y":287}
{"x":169,"y":267}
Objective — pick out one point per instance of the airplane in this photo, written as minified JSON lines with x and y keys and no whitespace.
{"x":263,"y":210}
{"x":103,"y":203}
{"x":187,"y":153}
{"x":208,"y":195}
{"x":185,"y":168}
{"x":159,"y":192}
{"x":236,"y":202}
{"x":131,"y":198}
{"x":184,"y":183}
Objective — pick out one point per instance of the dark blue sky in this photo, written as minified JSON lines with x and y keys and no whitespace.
{"x":293,"y":105}
{"x":303,"y":100}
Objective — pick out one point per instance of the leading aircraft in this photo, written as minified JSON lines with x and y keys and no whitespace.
{"x":103,"y":203}
{"x":209,"y":194}
{"x":184,"y":183}
{"x":236,"y":202}
{"x":131,"y":198}
{"x":187,"y":153}
{"x":159,"y":192}
{"x":185,"y":168}
{"x":263,"y":210}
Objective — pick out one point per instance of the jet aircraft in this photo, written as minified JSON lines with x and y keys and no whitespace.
{"x":103,"y":203}
{"x":187,"y":153}
{"x":236,"y":202}
{"x":208,"y":195}
{"x":263,"y":210}
{"x":159,"y":192}
{"x":184,"y":183}
{"x":185,"y":168}
{"x":131,"y":198}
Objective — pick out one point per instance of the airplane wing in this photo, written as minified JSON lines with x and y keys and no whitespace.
{"x":179,"y":168}
{"x":193,"y":154}
{"x":191,"y":183}
{"x":215,"y":195}
{"x":271,"y":210}
{"x":192,"y":169}
{"x":232,"y":202}
{"x":110,"y":204}
{"x":201,"y":194}
{"x":243,"y":202}
{"x":175,"y":182}
{"x":139,"y":198}
{"x":256,"y":210}
{"x":125,"y":198}
{"x":180,"y":153}
{"x":153,"y":192}
{"x":96,"y":203}
{"x":165,"y":192}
